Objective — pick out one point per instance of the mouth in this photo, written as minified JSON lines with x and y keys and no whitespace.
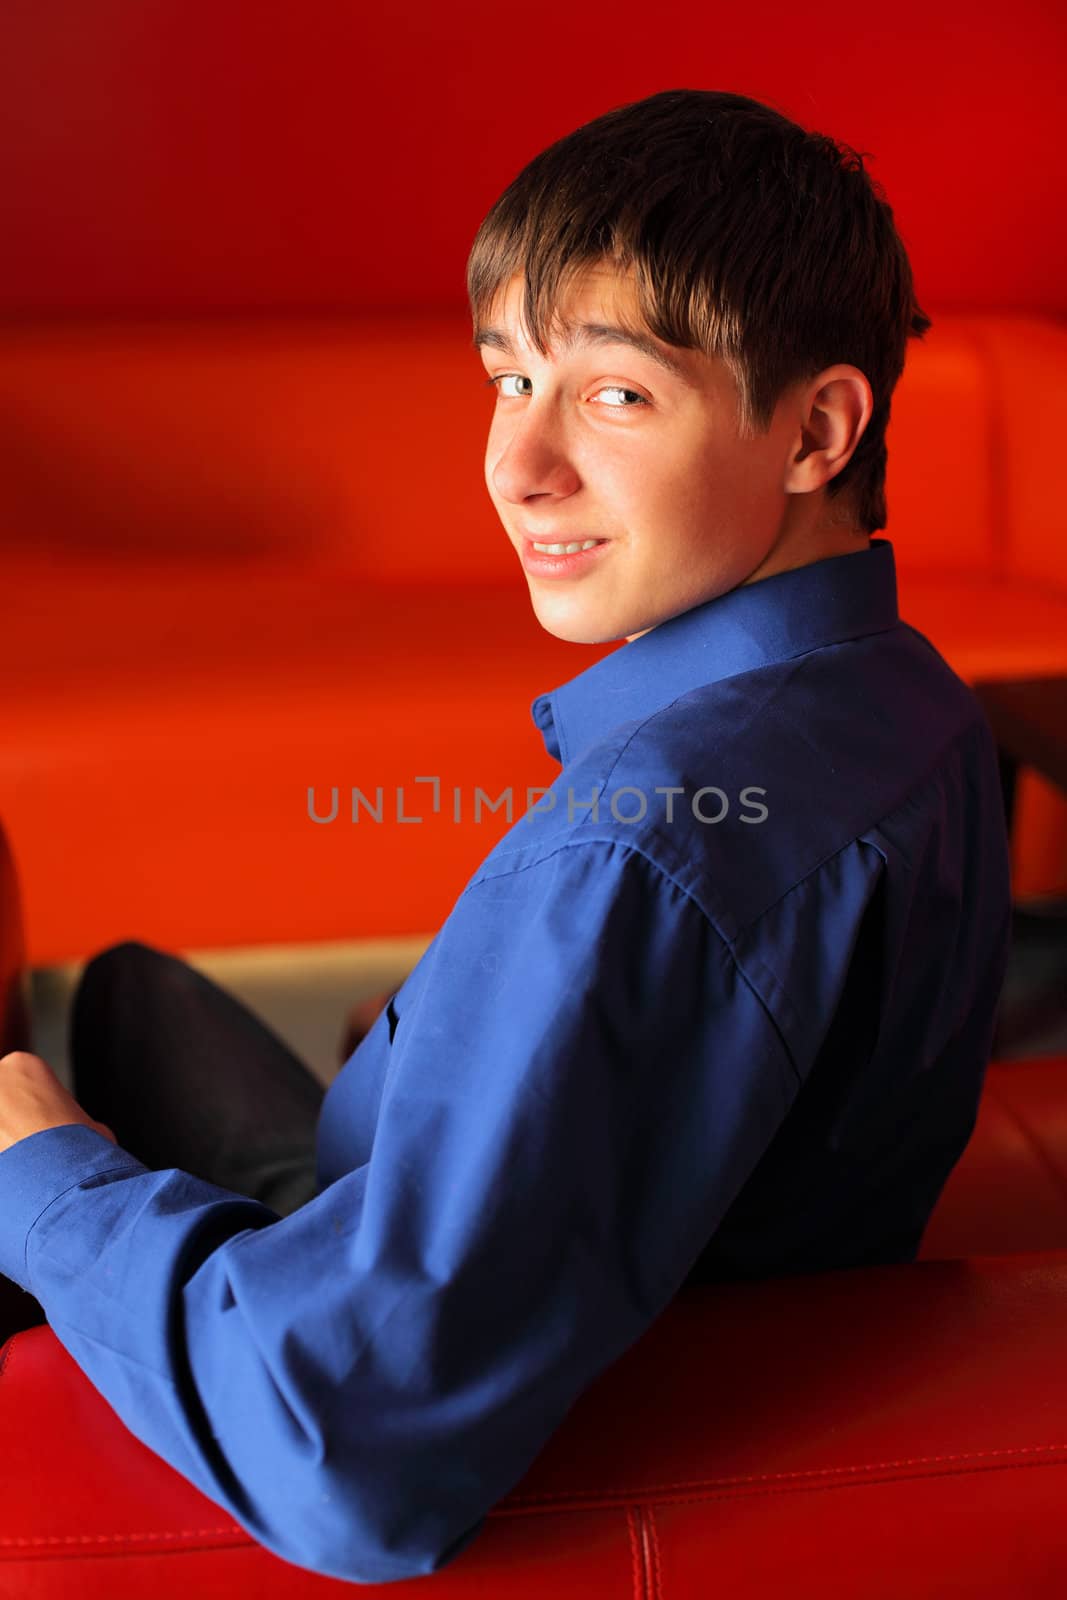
{"x":560,"y":558}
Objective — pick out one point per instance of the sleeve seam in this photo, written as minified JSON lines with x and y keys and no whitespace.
{"x":635,"y":849}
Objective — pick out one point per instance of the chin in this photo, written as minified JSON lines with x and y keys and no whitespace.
{"x":575,"y":626}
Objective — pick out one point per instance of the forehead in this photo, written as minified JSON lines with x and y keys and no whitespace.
{"x":593,"y":287}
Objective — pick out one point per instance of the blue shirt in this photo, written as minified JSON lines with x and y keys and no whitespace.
{"x":719,"y":1007}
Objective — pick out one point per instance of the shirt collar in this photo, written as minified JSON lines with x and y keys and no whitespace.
{"x":826,"y":602}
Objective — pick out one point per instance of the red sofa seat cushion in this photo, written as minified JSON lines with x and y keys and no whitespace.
{"x":888,"y":1431}
{"x":155,"y":771}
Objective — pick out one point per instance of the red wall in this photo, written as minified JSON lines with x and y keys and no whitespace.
{"x":215,"y":155}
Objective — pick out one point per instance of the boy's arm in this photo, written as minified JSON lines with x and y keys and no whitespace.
{"x":578,"y":1084}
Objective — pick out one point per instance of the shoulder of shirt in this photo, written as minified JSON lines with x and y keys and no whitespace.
{"x":770,"y":792}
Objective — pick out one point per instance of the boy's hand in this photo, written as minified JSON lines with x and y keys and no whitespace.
{"x":359,"y":1022}
{"x":32,"y":1099}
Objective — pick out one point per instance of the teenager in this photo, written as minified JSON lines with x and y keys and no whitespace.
{"x":719,"y":1007}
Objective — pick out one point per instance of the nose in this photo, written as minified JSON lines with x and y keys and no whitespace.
{"x":529,"y":457}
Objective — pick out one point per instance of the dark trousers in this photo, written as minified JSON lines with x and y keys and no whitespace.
{"x":186,"y":1076}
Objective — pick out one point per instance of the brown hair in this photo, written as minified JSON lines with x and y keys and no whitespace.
{"x":750,"y":238}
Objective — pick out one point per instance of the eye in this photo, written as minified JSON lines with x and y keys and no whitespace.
{"x":505,"y":377}
{"x":634,"y":399}
{"x":617,"y":388}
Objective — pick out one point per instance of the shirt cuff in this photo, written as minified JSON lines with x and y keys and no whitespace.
{"x":37,"y":1170}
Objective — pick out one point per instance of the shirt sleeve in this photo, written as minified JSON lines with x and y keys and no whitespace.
{"x":579,"y":1081}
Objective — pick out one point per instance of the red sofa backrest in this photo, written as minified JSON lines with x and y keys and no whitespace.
{"x":357,"y":446}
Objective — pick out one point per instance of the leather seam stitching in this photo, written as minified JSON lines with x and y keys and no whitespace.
{"x":981,"y":1459}
{"x":635,"y":1558}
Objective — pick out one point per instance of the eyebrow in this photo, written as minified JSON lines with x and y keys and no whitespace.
{"x":583,"y":334}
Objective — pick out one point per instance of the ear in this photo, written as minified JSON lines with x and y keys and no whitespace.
{"x":835,"y":408}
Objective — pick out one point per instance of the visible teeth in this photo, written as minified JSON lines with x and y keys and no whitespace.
{"x":565,"y":549}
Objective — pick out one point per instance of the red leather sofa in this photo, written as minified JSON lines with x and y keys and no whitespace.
{"x":216,"y":600}
{"x":246,"y":559}
{"x":890,"y":1431}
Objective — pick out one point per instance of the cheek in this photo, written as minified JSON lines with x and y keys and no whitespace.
{"x":726,"y":486}
{"x":677,"y":493}
{"x":634,"y":481}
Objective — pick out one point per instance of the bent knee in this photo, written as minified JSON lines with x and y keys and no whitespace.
{"x":130,"y":957}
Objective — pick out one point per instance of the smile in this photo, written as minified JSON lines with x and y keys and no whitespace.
{"x":564,"y":549}
{"x":543,"y":560}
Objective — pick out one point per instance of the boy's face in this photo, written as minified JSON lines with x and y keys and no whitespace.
{"x":600,"y":441}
